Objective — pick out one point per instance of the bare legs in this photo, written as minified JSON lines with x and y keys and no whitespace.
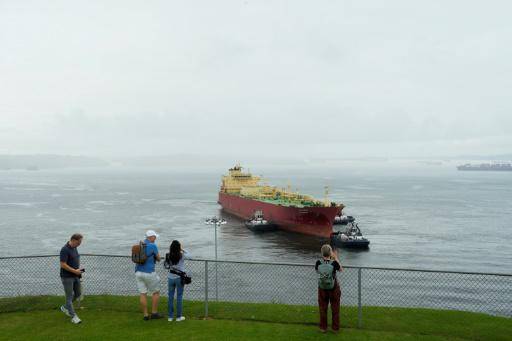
{"x":154,"y":303}
{"x":154,"y":300}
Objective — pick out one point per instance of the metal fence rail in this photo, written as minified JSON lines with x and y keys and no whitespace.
{"x":284,"y":283}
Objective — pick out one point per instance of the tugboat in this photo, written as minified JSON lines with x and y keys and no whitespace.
{"x":341,"y":219}
{"x":259,"y":224}
{"x":350,"y":238}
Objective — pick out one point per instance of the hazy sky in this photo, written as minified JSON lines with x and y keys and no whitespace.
{"x":295,"y":78}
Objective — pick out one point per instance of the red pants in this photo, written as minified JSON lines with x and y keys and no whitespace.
{"x":324,"y":297}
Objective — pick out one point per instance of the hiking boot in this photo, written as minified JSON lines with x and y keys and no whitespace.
{"x":65,"y":310}
{"x":181,"y":318}
{"x":156,"y":316}
{"x":146,"y":318}
{"x":76,"y":319}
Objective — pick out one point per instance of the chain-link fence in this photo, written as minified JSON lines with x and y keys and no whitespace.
{"x":220,"y":284}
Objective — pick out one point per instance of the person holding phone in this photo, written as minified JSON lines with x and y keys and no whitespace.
{"x":328,"y":287}
{"x":70,"y":274}
{"x":147,"y":279}
{"x":175,"y":263}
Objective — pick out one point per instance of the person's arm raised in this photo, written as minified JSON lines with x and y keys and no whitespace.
{"x":335,"y":256}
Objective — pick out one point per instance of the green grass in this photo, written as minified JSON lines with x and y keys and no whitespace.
{"x":118,"y":317}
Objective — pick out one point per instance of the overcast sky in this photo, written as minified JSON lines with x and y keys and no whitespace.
{"x":295,"y":78}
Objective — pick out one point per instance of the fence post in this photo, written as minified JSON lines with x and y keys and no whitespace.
{"x":205,"y":289}
{"x":359,"y":306}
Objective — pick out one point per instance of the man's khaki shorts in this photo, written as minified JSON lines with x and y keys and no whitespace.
{"x":147,"y":283}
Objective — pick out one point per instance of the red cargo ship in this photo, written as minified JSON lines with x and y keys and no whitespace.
{"x":241,"y":195}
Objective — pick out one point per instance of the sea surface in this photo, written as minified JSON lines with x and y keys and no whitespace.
{"x":416,"y":215}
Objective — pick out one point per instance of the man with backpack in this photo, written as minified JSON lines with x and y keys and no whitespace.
{"x":328,"y":287}
{"x":145,"y":254}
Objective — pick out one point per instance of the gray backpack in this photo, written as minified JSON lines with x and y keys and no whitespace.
{"x":326,"y":275}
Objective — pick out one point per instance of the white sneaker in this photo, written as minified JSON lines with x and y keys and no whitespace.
{"x":64,"y":310}
{"x":170,"y":319}
{"x":76,"y":319}
{"x":181,"y":318}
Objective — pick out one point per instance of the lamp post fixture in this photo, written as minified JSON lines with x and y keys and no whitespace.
{"x":217,"y":222}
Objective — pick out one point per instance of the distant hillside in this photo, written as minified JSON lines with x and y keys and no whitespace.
{"x":34,"y":162}
{"x":202,"y":161}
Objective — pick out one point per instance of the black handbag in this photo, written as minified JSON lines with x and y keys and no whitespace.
{"x":185,"y":279}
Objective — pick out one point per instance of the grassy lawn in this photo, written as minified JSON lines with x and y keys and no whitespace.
{"x":116,"y":317}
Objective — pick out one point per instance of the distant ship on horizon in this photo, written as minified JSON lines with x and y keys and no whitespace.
{"x":498,"y":166}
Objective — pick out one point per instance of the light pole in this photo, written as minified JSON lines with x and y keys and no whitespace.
{"x":217,"y":222}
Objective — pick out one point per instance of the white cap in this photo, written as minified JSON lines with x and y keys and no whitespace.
{"x":151,"y":233}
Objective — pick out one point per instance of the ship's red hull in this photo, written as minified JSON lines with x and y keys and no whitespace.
{"x":316,"y":221}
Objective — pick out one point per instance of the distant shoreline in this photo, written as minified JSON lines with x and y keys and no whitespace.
{"x":37,"y":162}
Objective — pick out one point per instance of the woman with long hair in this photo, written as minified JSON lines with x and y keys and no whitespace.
{"x":175,"y":263}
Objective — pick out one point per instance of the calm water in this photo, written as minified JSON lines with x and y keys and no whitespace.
{"x":429,"y":217}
